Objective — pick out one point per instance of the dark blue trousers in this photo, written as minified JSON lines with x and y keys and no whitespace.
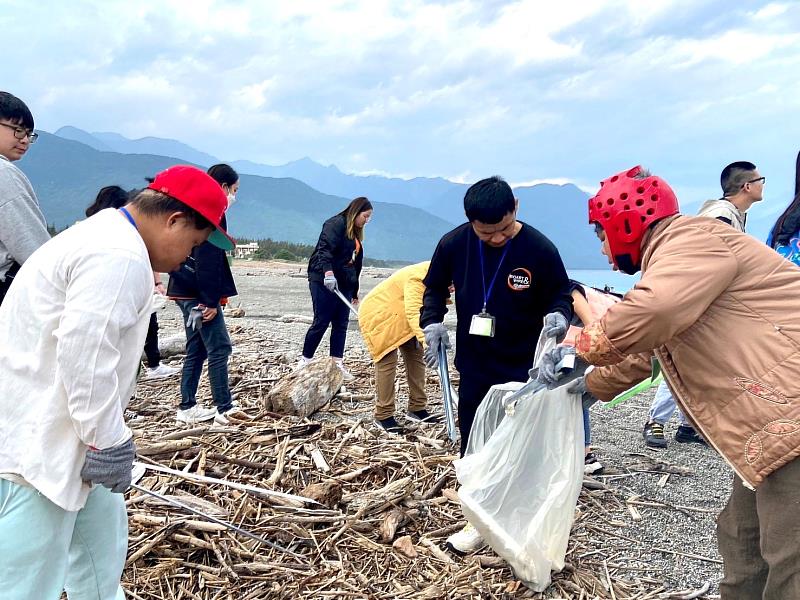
{"x":328,"y":310}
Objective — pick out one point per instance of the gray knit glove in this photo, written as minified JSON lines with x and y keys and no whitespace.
{"x":435,"y":335}
{"x":195,"y":319}
{"x":111,"y":467}
{"x":577,"y":386}
{"x":555,"y":326}
{"x":330,"y":281}
{"x":546,"y":373}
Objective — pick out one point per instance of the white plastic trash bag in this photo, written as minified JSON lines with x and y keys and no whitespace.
{"x":489,"y":415}
{"x":520,"y":489}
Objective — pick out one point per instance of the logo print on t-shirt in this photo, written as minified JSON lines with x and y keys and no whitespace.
{"x":519,"y":279}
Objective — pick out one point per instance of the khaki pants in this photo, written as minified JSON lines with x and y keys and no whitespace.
{"x":385,"y":371}
{"x":759,"y":538}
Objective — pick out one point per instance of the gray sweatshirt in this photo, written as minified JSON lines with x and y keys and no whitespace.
{"x":725,"y":211}
{"x":22,"y":225}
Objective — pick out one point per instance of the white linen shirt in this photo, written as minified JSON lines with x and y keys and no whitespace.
{"x":72,"y":329}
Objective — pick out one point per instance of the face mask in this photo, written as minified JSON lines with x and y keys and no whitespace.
{"x":231,"y":199}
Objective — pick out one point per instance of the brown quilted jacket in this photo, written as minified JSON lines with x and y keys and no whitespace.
{"x":721,"y":312}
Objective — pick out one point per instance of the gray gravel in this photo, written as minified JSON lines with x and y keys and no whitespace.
{"x":271,"y":291}
{"x":617,"y":437}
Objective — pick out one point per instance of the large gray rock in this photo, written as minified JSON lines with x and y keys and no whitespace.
{"x":306,"y":390}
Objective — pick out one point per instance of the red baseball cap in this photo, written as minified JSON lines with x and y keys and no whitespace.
{"x":198,"y":190}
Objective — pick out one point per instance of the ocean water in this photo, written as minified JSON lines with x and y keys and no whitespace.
{"x":600,"y":278}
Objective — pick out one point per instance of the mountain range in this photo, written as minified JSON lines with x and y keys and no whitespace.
{"x":540,"y":204}
{"x":289,"y":202}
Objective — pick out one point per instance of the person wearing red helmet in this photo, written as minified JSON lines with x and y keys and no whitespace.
{"x":717,"y":308}
{"x":72,"y":328}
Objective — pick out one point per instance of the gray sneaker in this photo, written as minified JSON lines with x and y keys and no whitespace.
{"x":390,"y":426}
{"x":654,"y":435}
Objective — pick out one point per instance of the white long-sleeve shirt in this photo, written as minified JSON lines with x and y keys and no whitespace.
{"x":72,"y":329}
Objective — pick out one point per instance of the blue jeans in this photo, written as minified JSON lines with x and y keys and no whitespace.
{"x":328,"y":310}
{"x":664,"y":405}
{"x":587,"y":427}
{"x":212,"y":342}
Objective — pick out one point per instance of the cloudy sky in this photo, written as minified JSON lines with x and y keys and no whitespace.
{"x":571,"y":90}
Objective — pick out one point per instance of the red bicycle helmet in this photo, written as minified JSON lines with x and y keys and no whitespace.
{"x":625,"y":207}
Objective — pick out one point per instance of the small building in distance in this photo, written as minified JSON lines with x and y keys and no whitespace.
{"x":245,"y":250}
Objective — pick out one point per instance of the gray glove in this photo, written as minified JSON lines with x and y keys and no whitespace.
{"x":547,"y":367}
{"x":111,"y":467}
{"x":330,"y":281}
{"x":577,"y":386}
{"x":435,"y":335}
{"x":555,"y":326}
{"x":195,"y":319}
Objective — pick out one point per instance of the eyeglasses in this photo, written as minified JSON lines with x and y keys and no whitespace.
{"x":21,"y":133}
{"x":761,"y":179}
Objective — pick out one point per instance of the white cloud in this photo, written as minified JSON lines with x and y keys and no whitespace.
{"x":770,"y":11}
{"x":462,"y":87}
{"x":737,"y":47}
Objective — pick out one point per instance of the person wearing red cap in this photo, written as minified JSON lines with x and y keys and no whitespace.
{"x":717,"y":308}
{"x":72,"y":329}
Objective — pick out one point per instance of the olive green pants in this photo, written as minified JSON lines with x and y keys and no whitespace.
{"x":759,"y":538}
{"x":385,"y":372}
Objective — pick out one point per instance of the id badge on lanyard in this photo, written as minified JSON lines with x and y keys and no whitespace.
{"x":483,"y":324}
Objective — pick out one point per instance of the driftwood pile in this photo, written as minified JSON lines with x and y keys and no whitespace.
{"x":383,"y":509}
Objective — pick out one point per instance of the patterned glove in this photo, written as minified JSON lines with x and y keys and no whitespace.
{"x":330,"y":281}
{"x":435,"y":335}
{"x":555,"y":326}
{"x":111,"y":467}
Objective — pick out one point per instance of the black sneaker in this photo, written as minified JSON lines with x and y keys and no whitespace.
{"x":654,"y":435}
{"x":423,"y":416}
{"x":390,"y":426}
{"x":687,"y":434}
{"x":592,"y":466}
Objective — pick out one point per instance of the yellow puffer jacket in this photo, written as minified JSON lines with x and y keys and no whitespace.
{"x":389,"y":315}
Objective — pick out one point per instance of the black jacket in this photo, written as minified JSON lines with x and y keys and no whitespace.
{"x":336,"y":252}
{"x":530,"y":282}
{"x":205,"y":276}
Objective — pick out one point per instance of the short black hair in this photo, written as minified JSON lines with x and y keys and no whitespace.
{"x":489,"y":200}
{"x":732,"y":177}
{"x":111,"y":196}
{"x":223,"y":174}
{"x":15,"y":110}
{"x":153,"y":202}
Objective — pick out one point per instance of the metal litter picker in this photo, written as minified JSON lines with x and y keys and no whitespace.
{"x":346,"y":301}
{"x":447,"y":394}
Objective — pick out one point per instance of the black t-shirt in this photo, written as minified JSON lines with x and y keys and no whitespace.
{"x":531,"y":282}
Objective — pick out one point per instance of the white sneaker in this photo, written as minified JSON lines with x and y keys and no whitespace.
{"x":196,"y":414}
{"x":302,"y":363}
{"x":348,"y":376}
{"x":160,"y":372}
{"x":466,"y":541}
{"x":233,"y":415}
